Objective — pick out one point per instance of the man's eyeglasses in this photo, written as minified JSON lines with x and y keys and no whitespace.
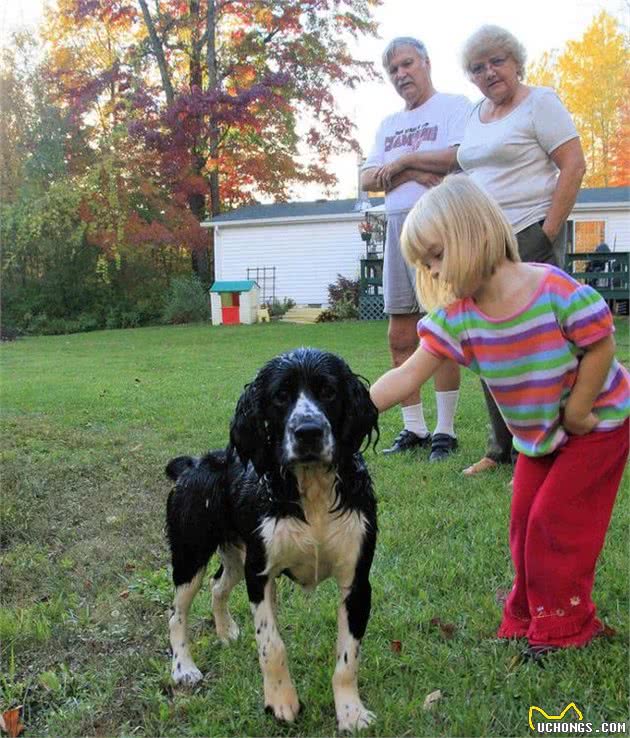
{"x":495,"y":63}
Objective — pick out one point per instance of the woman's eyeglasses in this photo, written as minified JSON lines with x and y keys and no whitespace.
{"x":495,"y":63}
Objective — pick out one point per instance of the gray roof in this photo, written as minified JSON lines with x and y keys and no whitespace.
{"x":293,"y":210}
{"x":347,"y":207}
{"x":604,"y":194}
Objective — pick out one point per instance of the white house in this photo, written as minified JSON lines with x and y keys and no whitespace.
{"x":600,"y":214}
{"x":297,"y":249}
{"x":293,"y":250}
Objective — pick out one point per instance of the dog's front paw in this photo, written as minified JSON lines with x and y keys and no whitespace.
{"x":186,"y":675}
{"x":353,"y":716}
{"x":282,"y":701}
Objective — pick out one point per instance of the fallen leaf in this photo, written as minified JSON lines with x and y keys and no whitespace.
{"x":396,"y":646}
{"x":10,"y":722}
{"x":447,"y":629}
{"x":432,"y":699}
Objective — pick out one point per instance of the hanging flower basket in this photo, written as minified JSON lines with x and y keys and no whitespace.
{"x":366,"y":229}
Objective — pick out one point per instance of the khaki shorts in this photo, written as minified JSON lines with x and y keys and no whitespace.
{"x":399,"y":279}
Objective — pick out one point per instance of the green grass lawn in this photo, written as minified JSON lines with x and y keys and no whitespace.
{"x":89,"y":422}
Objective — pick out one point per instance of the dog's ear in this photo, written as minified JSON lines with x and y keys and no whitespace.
{"x":176,"y":466}
{"x":361,"y":419}
{"x":248,"y":434}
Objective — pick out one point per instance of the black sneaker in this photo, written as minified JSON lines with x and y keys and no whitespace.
{"x":538,"y":654}
{"x":407,"y":440}
{"x":441,"y":446}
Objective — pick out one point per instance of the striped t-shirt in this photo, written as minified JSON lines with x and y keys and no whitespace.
{"x":529,"y":360}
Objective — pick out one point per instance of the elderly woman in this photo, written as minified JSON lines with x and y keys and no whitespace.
{"x":521,"y":146}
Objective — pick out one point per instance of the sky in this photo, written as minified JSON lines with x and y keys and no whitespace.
{"x":443,"y":25}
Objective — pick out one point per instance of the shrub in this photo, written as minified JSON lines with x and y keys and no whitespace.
{"x":277,"y":309}
{"x":186,"y":301}
{"x":344,"y":290}
{"x":344,"y":300}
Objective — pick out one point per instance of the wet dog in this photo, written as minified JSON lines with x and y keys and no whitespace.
{"x":291,"y":495}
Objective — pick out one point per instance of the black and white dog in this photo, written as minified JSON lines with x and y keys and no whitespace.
{"x":290,"y":495}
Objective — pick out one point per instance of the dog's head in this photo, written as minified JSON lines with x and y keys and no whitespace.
{"x":303,"y":406}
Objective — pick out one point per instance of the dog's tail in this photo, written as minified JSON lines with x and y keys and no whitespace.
{"x":197,"y":515}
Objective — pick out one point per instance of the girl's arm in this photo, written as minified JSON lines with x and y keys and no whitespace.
{"x":578,"y":417}
{"x":398,"y":383}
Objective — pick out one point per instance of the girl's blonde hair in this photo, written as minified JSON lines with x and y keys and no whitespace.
{"x":472,"y":232}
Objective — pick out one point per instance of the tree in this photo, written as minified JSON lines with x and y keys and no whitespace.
{"x":213,"y":90}
{"x":591,"y":78}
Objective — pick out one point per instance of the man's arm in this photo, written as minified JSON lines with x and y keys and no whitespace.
{"x":441,"y":161}
{"x":428,"y":179}
{"x":368,"y":180}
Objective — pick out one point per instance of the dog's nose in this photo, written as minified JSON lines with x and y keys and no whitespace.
{"x":308,"y":432}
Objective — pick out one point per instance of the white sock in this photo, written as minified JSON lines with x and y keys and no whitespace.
{"x":413,"y":419}
{"x":446,"y":403}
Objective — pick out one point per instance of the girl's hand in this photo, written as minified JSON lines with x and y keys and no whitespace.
{"x":399,"y":383}
{"x":579,"y":426}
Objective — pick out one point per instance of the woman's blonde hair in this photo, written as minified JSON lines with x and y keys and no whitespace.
{"x":472,"y":232}
{"x":488,"y":39}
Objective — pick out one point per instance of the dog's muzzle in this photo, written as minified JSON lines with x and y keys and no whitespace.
{"x":308,"y":436}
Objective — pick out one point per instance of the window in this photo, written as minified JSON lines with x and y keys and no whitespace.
{"x":588,"y":234}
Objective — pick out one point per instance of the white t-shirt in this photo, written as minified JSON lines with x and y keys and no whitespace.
{"x":437,"y":124}
{"x":509,"y":158}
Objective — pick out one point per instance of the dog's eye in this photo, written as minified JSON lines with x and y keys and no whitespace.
{"x":281,"y":397}
{"x":327,"y":392}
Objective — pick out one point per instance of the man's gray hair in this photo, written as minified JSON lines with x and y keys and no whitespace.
{"x":396,"y":43}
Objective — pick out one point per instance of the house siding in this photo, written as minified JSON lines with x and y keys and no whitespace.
{"x":307,"y":256}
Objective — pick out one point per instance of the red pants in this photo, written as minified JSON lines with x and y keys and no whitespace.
{"x":560,"y":514}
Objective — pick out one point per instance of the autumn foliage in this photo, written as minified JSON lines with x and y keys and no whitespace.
{"x":591,"y":76}
{"x":164,"y":114}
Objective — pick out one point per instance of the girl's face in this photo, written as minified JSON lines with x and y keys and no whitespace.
{"x":433,"y":259}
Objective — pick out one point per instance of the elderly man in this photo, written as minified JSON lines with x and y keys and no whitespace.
{"x":413,"y":149}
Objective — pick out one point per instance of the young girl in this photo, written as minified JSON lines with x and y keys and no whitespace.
{"x":544,"y":345}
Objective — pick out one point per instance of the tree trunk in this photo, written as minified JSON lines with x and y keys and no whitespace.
{"x":213,"y":138}
{"x":196,"y":202}
{"x":158,"y":51}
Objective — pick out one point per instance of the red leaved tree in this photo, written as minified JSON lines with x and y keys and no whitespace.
{"x":209,"y":93}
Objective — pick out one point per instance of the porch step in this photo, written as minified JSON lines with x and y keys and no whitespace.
{"x":301,"y":314}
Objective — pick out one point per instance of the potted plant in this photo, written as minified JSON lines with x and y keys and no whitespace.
{"x":366,"y":229}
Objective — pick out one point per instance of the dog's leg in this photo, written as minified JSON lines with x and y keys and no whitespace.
{"x":183,"y":668}
{"x":353,"y":614}
{"x":280,"y":696}
{"x":231,"y":575}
